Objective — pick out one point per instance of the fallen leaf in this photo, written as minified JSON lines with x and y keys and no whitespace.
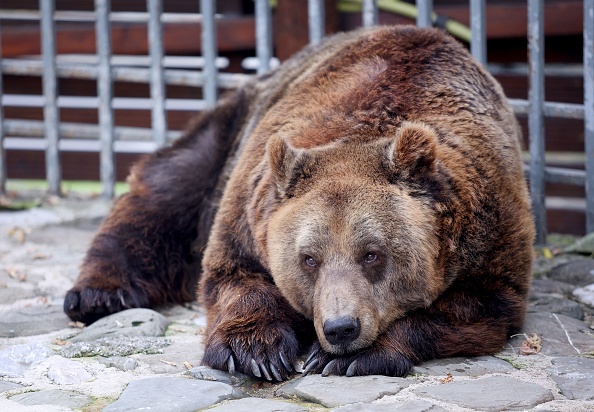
{"x":61,"y":342}
{"x":188,"y":365}
{"x":449,"y":378}
{"x":168,"y":363}
{"x":531,"y":346}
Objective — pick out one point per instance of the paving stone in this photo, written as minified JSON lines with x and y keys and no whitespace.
{"x":172,"y":395}
{"x":8,"y":386}
{"x":578,"y":272}
{"x":57,"y":397}
{"x":497,"y":393}
{"x":33,"y":320}
{"x":585,"y":294}
{"x":174,"y":357}
{"x":478,"y":366}
{"x":67,"y":372}
{"x":115,"y":346}
{"x":574,"y":376}
{"x":130,"y":322}
{"x":119,"y":362}
{"x":551,"y":286}
{"x":10,"y":294}
{"x":333,"y":391}
{"x":257,"y":404}
{"x":555,"y":304}
{"x":15,"y":360}
{"x":561,"y":335}
{"x":208,"y":374}
{"x":408,"y":406}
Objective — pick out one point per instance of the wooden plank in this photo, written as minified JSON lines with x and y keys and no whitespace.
{"x":233,"y":34}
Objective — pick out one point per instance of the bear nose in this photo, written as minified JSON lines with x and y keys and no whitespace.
{"x":342,"y":331}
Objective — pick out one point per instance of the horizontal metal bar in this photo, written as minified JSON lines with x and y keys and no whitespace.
{"x":561,"y":175}
{"x":33,"y":128}
{"x":551,"y":69}
{"x":124,"y":74}
{"x":77,"y":145}
{"x":117,"y":16}
{"x":178,"y":62}
{"x":91,"y":102}
{"x":551,"y":109}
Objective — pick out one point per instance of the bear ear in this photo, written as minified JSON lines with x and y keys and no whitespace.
{"x":283,"y":159}
{"x":414,"y":150}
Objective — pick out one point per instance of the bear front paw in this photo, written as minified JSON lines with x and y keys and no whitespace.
{"x":270,"y":353}
{"x":90,"y":304}
{"x":369,"y":361}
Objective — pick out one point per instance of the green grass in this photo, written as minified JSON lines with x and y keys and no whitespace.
{"x":84,"y":187}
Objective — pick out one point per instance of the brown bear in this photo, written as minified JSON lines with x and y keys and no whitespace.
{"x":366,"y":200}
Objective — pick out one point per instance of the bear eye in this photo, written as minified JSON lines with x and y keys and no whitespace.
{"x":310,"y":262}
{"x":370,"y":257}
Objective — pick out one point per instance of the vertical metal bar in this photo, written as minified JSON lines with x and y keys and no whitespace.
{"x":263,"y":35}
{"x":536,"y":118}
{"x":478,"y":27}
{"x":370,"y":13}
{"x":51,"y":114}
{"x":209,"y":51}
{"x":589,"y":110}
{"x":155,"y":35}
{"x":2,"y":152}
{"x":105,"y":94}
{"x":316,"y":20}
{"x":425,"y":13}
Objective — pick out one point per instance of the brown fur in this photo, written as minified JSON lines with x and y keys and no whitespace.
{"x":374,"y":178}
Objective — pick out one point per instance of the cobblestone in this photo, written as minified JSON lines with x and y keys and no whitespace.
{"x":48,"y":364}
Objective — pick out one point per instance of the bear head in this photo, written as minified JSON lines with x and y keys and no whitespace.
{"x":353,"y":244}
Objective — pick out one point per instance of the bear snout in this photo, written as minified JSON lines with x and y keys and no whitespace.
{"x":342,"y":330}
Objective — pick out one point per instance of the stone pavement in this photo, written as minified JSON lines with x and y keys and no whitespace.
{"x":147,"y":360}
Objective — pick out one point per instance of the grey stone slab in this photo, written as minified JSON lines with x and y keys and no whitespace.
{"x":181,"y":350}
{"x":172,"y":395}
{"x":56,"y":397}
{"x":33,"y":320}
{"x":561,"y":335}
{"x":574,"y":376}
{"x":115,"y":346}
{"x":551,"y":286}
{"x":257,"y":404}
{"x":474,"y":367}
{"x":333,"y":391}
{"x":15,"y":360}
{"x":8,"y":386}
{"x":10,"y":294}
{"x":555,"y":304}
{"x":407,"y":406}
{"x":496,"y":393}
{"x":119,"y":362}
{"x":577,"y":272}
{"x":208,"y":374}
{"x":131,"y":322}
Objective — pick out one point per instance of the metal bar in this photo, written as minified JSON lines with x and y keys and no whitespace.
{"x":589,"y":110}
{"x":316,"y":20}
{"x":155,"y":35}
{"x":536,"y":117}
{"x":33,"y":128}
{"x":561,"y":175}
{"x":263,"y":35}
{"x":425,"y":13}
{"x":478,"y":27}
{"x":125,"y":74}
{"x":3,"y":175}
{"x":50,"y":91}
{"x":551,"y":109}
{"x":105,"y":95}
{"x":209,"y":51}
{"x":370,"y":13}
